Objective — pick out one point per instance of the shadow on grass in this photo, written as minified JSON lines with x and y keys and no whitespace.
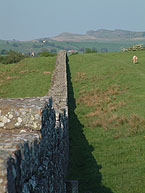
{"x":82,"y":166}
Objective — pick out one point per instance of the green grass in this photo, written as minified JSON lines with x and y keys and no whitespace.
{"x":28,"y":78}
{"x":107,"y":122}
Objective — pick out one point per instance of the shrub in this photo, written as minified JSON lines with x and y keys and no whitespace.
{"x":136,"y":47}
{"x":1,"y":59}
{"x":12,"y":57}
{"x":89,"y":50}
{"x":4,"y":52}
{"x":46,"y":54}
{"x":74,"y":53}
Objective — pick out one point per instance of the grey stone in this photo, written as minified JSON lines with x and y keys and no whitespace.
{"x":2,"y":124}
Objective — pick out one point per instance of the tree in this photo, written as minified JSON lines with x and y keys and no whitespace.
{"x":104,"y":50}
{"x":53,"y":50}
{"x":89,"y":50}
{"x":15,"y":45}
{"x":4,"y":52}
{"x":82,"y":49}
{"x":143,"y":34}
{"x":95,"y":49}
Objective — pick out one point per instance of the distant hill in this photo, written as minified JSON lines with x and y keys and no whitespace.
{"x":116,"y":34}
{"x":66,"y":36}
{"x":109,"y":40}
{"x":101,"y":35}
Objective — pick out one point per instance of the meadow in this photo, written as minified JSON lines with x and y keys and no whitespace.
{"x":30,"y":77}
{"x":107,"y":122}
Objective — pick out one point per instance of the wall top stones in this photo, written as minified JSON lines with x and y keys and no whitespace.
{"x":58,"y":90}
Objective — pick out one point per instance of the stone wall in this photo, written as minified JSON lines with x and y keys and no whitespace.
{"x":34,"y":140}
{"x":38,"y":165}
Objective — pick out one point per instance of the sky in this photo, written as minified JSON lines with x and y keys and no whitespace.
{"x":32,"y":19}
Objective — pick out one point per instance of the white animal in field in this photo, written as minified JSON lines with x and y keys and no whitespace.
{"x":134,"y":59}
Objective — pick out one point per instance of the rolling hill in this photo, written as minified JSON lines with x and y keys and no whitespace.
{"x":66,"y":36}
{"x":110,"y":40}
{"x":102,"y":35}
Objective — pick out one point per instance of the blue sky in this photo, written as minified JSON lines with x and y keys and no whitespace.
{"x":31,"y":19}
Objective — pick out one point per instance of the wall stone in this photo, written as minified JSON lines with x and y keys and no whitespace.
{"x":39,"y":164}
{"x":34,"y":141}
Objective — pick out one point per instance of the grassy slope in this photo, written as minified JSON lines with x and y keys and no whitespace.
{"x":107,"y":122}
{"x":30,"y":77}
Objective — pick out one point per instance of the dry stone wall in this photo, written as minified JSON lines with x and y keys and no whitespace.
{"x":38,"y":165}
{"x":34,"y":140}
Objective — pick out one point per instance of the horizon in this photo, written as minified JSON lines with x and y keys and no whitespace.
{"x":29,"y":20}
{"x":68,"y":32}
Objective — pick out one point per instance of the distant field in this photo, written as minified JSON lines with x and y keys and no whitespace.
{"x":107,"y":122}
{"x":30,"y":77}
{"x":54,"y":46}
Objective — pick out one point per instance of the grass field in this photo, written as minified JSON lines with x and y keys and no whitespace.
{"x":30,"y":77}
{"x":107,"y":122}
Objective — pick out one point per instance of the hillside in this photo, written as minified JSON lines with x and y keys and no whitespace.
{"x":107,"y":122}
{"x":72,"y":37}
{"x":112,"y":41}
{"x":102,"y":35}
{"x":116,"y":34}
